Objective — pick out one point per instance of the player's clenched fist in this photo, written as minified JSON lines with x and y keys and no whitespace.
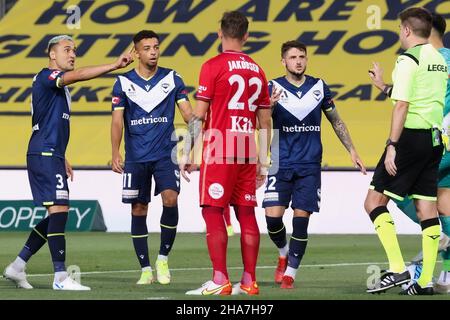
{"x":124,"y":60}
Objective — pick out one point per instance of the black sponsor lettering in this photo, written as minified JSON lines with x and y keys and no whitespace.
{"x":362,"y":92}
{"x":40,"y":49}
{"x":437,"y":67}
{"x":338,"y":6}
{"x":381,"y":96}
{"x":260,"y":10}
{"x":301,"y":14}
{"x":8,"y":50}
{"x":334,"y":86}
{"x":396,"y":6}
{"x":432,"y":6}
{"x":24,"y":95}
{"x":59,"y":8}
{"x":100,"y":15}
{"x":87,"y":41}
{"x":388,"y":39}
{"x":6,"y":95}
{"x":252,"y":46}
{"x":324,"y":45}
{"x":255,"y":46}
{"x":124,"y":40}
{"x":182,"y":10}
{"x":191,"y":43}
{"x":339,"y":91}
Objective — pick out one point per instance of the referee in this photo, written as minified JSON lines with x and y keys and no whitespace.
{"x":409,"y":164}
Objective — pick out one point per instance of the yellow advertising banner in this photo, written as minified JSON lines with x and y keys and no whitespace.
{"x":343,"y":38}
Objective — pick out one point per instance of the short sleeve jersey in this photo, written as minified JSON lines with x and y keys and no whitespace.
{"x":420,"y":78}
{"x":297,"y":118}
{"x":236,"y":87}
{"x":149,"y":111}
{"x":50,"y":108}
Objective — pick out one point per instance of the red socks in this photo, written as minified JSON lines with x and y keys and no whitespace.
{"x":217,"y":240}
{"x":249,"y":242}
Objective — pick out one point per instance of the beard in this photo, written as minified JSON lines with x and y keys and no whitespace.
{"x":297,"y":74}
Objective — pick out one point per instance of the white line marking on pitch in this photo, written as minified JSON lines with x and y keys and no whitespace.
{"x":230,"y":268}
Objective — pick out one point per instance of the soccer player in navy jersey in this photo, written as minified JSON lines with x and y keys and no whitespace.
{"x":143,"y":103}
{"x":48,"y":168}
{"x":298,"y":101}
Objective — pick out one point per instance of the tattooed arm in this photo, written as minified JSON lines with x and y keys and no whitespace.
{"x":192,"y":137}
{"x":344,"y":136}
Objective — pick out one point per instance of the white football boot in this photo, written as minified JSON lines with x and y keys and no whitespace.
{"x":18,"y":277}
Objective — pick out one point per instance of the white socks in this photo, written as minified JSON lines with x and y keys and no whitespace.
{"x":284,"y":251}
{"x":161,"y":257}
{"x":291,"y":272}
{"x":19,"y":264}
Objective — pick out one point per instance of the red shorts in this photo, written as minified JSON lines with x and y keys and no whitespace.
{"x":225,"y":184}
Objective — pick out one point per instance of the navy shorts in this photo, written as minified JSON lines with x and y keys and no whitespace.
{"x":137,"y":179}
{"x":301,"y":186}
{"x":48,"y":180}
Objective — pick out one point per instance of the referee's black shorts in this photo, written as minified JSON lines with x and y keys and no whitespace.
{"x":417,"y":162}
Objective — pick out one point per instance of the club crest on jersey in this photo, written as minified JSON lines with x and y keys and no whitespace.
{"x":165,"y":87}
{"x":299,"y":94}
{"x":147,"y":87}
{"x":317,"y":94}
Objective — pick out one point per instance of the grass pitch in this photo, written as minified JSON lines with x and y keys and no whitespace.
{"x":334,"y":267}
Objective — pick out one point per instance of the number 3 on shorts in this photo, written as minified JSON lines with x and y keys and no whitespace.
{"x":60,"y":184}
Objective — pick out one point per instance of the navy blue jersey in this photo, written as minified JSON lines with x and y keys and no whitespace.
{"x":297,"y":116}
{"x":50,"y":108}
{"x":149,"y":111}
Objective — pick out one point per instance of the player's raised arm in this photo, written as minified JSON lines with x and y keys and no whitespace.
{"x":91,"y":72}
{"x":62,"y":55}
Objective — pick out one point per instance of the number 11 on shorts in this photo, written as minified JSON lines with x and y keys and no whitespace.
{"x":127,"y":180}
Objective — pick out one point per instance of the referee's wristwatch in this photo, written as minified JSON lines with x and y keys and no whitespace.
{"x":389,"y":142}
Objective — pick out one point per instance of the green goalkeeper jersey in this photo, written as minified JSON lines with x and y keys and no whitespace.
{"x":446,"y":124}
{"x":420,"y":78}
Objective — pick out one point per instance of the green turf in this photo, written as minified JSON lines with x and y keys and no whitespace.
{"x":110,"y":253}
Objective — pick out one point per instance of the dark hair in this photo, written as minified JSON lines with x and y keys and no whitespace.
{"x":144,"y":34}
{"x":234,"y":24}
{"x":419,"y":19}
{"x":439,"y":23}
{"x":292,"y":44}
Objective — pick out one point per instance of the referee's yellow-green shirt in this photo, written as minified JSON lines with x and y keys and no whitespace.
{"x":420,"y":78}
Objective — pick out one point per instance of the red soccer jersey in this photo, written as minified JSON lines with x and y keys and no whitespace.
{"x":236,"y":87}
